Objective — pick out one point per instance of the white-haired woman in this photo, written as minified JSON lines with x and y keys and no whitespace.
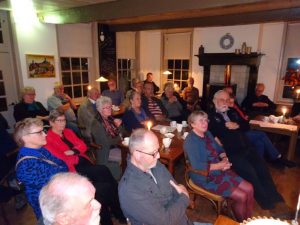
{"x":106,"y":131}
{"x":28,"y":107}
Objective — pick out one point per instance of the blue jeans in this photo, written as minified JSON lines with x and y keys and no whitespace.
{"x":262,"y":144}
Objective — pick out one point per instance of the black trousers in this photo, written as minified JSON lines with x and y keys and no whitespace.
{"x":252,"y":168}
{"x":106,"y":190}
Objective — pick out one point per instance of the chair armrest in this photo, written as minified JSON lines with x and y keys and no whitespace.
{"x":199,"y":172}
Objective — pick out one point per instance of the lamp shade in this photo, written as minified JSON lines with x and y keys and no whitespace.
{"x":166,"y":72}
{"x":101,"y":79}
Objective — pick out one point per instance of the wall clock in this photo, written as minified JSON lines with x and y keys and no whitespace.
{"x":226,"y":41}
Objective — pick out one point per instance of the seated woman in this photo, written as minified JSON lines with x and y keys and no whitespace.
{"x":172,"y":103}
{"x":28,"y":107}
{"x":35,"y":165}
{"x":65,"y":145}
{"x":107,"y":131}
{"x":135,"y":116}
{"x":205,"y":154}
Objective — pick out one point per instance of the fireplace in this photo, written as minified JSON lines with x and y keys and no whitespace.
{"x":206,"y":60}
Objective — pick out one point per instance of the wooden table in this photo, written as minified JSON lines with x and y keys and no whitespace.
{"x":292,"y":133}
{"x":223,"y":220}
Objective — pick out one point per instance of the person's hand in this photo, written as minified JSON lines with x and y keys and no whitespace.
{"x":69,"y":152}
{"x":260,"y":104}
{"x":224,"y":164}
{"x":232,"y":125}
{"x":160,"y":117}
{"x":117,"y":122}
{"x":179,"y":188}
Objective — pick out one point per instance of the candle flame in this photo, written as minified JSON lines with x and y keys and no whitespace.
{"x":149,"y":125}
{"x":284,"y":110}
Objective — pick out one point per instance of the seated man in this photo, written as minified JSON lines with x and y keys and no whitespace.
{"x":69,"y":199}
{"x":191,"y":94}
{"x":87,"y":112}
{"x":136,"y":85}
{"x":153,"y":104}
{"x":62,"y":101}
{"x":229,"y":128}
{"x":147,"y":191}
{"x":258,"y":103}
{"x":116,"y":96}
{"x":149,"y":78}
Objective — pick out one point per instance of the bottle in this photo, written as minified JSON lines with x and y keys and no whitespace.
{"x":244,"y":48}
{"x":201,"y":50}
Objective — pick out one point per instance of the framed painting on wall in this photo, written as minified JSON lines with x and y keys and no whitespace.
{"x":40,"y":66}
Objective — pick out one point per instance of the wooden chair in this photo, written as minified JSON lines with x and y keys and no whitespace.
{"x":217,"y":200}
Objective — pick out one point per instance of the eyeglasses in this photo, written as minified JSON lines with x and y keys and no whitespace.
{"x":204,"y":120}
{"x":38,"y":132}
{"x":154,"y":154}
{"x":107,"y":107}
{"x":61,"y":121}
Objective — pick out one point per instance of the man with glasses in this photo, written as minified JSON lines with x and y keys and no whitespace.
{"x":258,"y":103}
{"x":148,"y":193}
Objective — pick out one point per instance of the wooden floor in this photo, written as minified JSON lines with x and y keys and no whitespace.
{"x":287,"y":181}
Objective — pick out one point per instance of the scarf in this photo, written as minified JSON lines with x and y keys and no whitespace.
{"x":108,"y":125}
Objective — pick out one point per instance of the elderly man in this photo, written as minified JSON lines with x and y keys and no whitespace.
{"x":147,"y":191}
{"x":153,"y":104}
{"x":149,"y":78}
{"x":229,"y":128}
{"x":69,"y":199}
{"x":62,"y":101}
{"x":87,"y":112}
{"x":116,"y":95}
{"x":258,"y":103}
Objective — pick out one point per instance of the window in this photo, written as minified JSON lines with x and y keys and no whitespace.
{"x":180,"y":72}
{"x":75,"y":76}
{"x":126,"y":71}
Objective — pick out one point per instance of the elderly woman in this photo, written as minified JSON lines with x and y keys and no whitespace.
{"x":172,"y":103}
{"x":204,"y":153}
{"x":35,"y":165}
{"x":136,"y":116}
{"x":107,"y":131}
{"x":65,"y":145}
{"x":28,"y":107}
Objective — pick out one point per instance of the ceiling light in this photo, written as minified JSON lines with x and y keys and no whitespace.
{"x":167,"y":72}
{"x":101,"y":79}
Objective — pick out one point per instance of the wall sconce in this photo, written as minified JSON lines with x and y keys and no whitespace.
{"x":101,"y":36}
{"x":101,"y":79}
{"x":167,"y":72}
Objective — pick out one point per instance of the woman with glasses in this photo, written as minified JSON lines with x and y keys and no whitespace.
{"x":136,"y":116}
{"x":28,"y":107}
{"x":35,"y":165}
{"x":107,"y":132}
{"x":65,"y":145}
{"x":204,"y":153}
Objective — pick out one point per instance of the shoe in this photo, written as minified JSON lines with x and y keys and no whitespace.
{"x":282,"y":211}
{"x":277,"y":163}
{"x":288,"y":163}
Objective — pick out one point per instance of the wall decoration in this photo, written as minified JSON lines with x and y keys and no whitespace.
{"x":40,"y":66}
{"x":226,"y":41}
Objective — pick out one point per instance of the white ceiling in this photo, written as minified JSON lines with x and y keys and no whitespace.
{"x":52,"y":5}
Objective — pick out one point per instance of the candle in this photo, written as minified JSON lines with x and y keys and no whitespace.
{"x":149,"y":125}
{"x":295,"y":221}
{"x":298,"y":92}
{"x":284,"y":109}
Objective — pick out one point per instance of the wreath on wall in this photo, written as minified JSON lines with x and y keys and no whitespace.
{"x":226,"y":41}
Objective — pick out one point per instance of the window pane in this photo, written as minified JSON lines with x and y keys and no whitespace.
{"x":66,"y":78}
{"x":65,"y":63}
{"x":1,"y":37}
{"x":185,"y":64}
{"x":75,"y":63}
{"x":185,"y":75}
{"x":178,"y":64}
{"x":119,"y":63}
{"x":68,"y":91}
{"x":84,"y":64}
{"x":1,"y":75}
{"x":85,"y":77}
{"x":3,"y":104}
{"x":170,"y":64}
{"x":76,"y":78}
{"x":177,"y":75}
{"x":77,"y":92}
{"x":2,"y":88}
{"x":183,"y":85}
{"x":85,"y":90}
{"x":170,"y":76}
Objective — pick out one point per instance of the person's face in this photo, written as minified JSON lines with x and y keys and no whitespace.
{"x":169,"y":92}
{"x":151,"y":146}
{"x":229,"y":90}
{"x":139,"y":87}
{"x":221,"y":102}
{"x":94,"y":94}
{"x":200,"y":124}
{"x":29,"y":97}
{"x":59,"y":90}
{"x":112,"y":85}
{"x":148,"y":90}
{"x":85,"y":208}
{"x":106,"y":110}
{"x":136,"y":101}
{"x":259,"y":90}
{"x":59,"y":124}
{"x":35,"y":138}
{"x":191,"y":82}
{"x":231,"y":102}
{"x":150,"y":77}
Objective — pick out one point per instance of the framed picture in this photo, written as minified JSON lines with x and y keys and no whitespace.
{"x":40,"y":66}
